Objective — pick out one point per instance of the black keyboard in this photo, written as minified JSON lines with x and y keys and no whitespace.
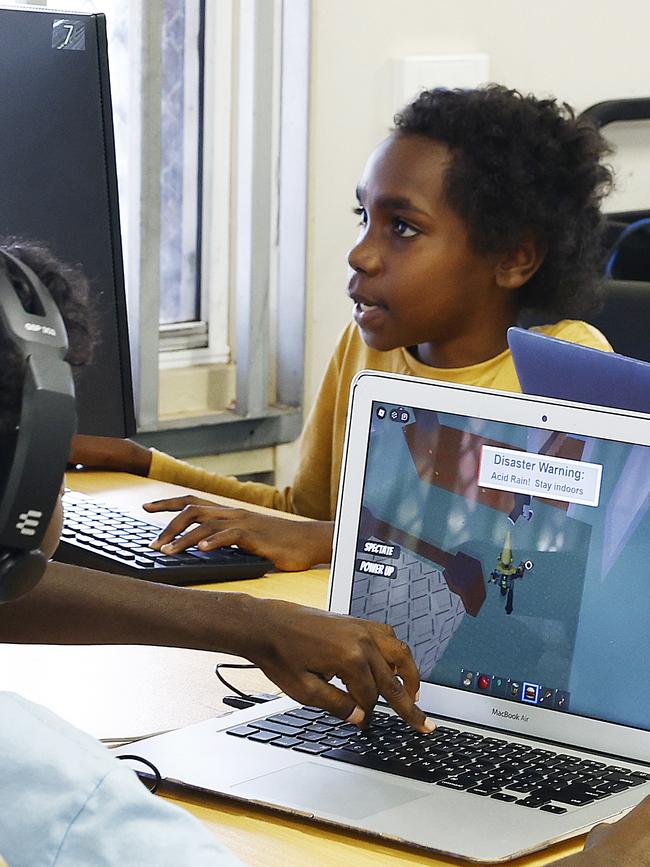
{"x":99,"y":537}
{"x":485,"y":766}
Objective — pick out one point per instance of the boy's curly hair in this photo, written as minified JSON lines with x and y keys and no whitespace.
{"x":70,"y":290}
{"x":523,"y":165}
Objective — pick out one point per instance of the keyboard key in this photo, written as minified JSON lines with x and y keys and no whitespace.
{"x":333,"y":742}
{"x":285,"y":742}
{"x":241,"y":731}
{"x":503,"y":796}
{"x":452,"y":784}
{"x":312,"y":749}
{"x":302,"y":713}
{"x":341,"y":730}
{"x":574,"y":796}
{"x":314,"y":737}
{"x":262,"y":737}
{"x":185,"y":558}
{"x":635,"y":779}
{"x":612,"y":788}
{"x":267,"y":726}
{"x":328,"y":718}
{"x":484,"y":790}
{"x":472,"y":780}
{"x":285,"y":719}
{"x":533,"y":801}
{"x":521,"y":787}
{"x":551,"y":808}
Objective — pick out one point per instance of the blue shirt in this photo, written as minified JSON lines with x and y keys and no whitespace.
{"x":66,"y":802}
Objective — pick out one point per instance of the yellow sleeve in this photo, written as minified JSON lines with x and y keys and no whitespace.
{"x":577,"y":331}
{"x":168,"y":469}
{"x":315,"y":485}
{"x":313,"y":479}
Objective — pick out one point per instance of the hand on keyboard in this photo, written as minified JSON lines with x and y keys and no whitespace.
{"x":100,"y":537}
{"x":302,"y":649}
{"x":291,"y":545}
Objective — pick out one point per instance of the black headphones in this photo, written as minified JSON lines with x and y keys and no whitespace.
{"x":37,"y":454}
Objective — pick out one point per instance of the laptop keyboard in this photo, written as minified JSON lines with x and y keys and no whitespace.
{"x":485,"y":766}
{"x":100,"y":537}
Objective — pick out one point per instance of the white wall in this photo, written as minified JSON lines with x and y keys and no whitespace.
{"x":583,"y":51}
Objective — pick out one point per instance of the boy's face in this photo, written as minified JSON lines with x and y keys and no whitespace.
{"x":416,"y":280}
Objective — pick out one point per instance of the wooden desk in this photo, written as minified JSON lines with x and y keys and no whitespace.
{"x":257,"y":836}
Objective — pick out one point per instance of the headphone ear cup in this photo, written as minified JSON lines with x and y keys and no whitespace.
{"x":19,"y":573}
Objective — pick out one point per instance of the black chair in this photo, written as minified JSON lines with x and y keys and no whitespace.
{"x":625,"y":317}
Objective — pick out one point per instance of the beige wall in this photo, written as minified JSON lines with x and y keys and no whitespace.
{"x":583,"y":51}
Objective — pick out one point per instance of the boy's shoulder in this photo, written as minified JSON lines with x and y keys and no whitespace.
{"x":576,"y":331}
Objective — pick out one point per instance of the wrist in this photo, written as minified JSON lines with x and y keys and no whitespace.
{"x":228,"y":622}
{"x":256,"y":626}
{"x":319,"y":540}
{"x":138,"y":458}
{"x":125,"y":456}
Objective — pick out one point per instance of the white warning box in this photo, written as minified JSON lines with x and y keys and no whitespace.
{"x":540,"y":476}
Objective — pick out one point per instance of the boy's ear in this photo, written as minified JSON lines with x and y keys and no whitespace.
{"x":517,"y":266}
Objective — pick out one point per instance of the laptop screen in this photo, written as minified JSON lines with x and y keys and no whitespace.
{"x":513,"y":560}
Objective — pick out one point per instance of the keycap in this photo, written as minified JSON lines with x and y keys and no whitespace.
{"x":241,"y":731}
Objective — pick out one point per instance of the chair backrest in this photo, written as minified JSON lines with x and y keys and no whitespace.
{"x":625,"y":317}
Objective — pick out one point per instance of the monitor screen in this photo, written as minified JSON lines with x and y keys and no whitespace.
{"x":512,"y":559}
{"x":59,"y":184}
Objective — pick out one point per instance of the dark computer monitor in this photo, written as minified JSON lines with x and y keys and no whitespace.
{"x":58,"y":183}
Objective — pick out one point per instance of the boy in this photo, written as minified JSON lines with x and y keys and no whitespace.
{"x":480,"y":206}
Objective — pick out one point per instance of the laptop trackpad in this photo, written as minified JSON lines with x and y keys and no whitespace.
{"x":312,"y":787}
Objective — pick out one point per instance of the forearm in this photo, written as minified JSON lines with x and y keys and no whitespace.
{"x":166,"y":468}
{"x":111,"y":453}
{"x":72,"y":605}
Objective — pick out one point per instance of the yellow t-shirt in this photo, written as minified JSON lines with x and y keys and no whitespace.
{"x":315,"y":486}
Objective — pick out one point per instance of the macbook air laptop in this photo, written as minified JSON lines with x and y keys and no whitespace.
{"x":557,"y":368}
{"x":506,"y":538}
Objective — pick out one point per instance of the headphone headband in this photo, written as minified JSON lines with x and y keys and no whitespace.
{"x":47,"y":422}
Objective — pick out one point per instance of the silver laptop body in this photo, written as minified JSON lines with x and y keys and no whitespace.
{"x":507,"y":539}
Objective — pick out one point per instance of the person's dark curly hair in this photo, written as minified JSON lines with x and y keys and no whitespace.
{"x":523,"y":165}
{"x":70,"y":291}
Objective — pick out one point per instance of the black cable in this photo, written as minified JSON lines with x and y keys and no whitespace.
{"x":156,"y":773}
{"x":244,"y":696}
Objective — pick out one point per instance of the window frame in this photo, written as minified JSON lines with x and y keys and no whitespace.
{"x":260,"y":251}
